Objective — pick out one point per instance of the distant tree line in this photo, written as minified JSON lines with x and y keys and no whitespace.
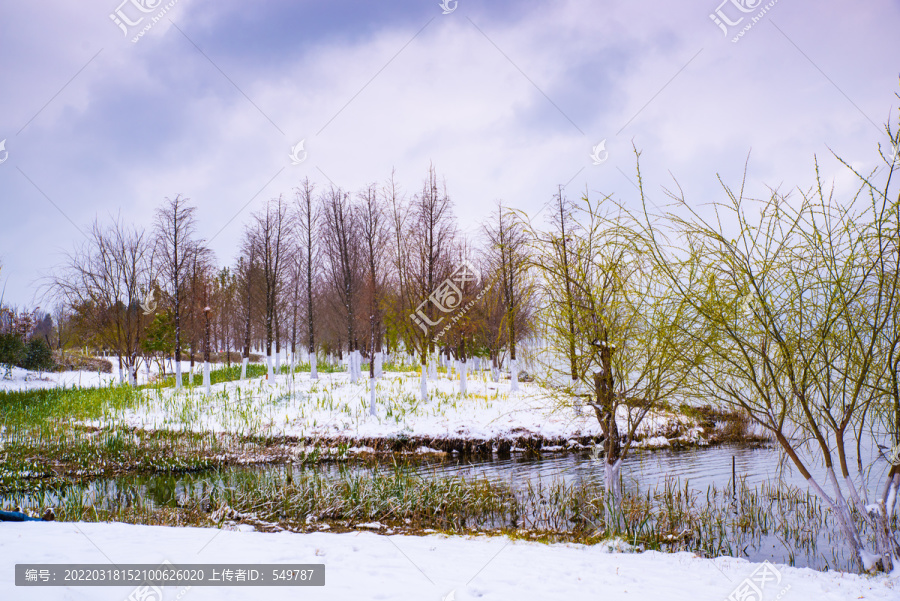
{"x":320,"y":272}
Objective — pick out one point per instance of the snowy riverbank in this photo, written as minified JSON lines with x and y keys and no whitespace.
{"x":333,"y":408}
{"x":362,"y":566}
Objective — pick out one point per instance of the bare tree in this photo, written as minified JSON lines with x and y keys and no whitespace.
{"x":272,"y":230}
{"x":340,"y":238}
{"x":175,"y":227}
{"x":246,"y":273}
{"x":105,"y":280}
{"x":559,"y":246}
{"x":307,"y":230}
{"x":434,"y":233}
{"x":375,"y":238}
{"x":508,"y":257}
{"x":62,"y":319}
{"x":201,"y":268}
{"x":399,"y":328}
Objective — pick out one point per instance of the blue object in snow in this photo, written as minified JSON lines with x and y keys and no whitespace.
{"x":17,"y":516}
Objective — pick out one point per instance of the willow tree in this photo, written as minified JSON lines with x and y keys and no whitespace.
{"x":633,"y":339}
{"x":884,"y":415}
{"x":797,"y":293}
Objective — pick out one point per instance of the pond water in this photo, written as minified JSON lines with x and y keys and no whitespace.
{"x":695,"y":468}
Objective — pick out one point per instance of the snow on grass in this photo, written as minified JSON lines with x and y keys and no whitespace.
{"x":28,"y":380}
{"x":334,"y":407}
{"x":363,"y":566}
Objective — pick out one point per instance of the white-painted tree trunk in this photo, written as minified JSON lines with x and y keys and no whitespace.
{"x":178,"y":375}
{"x":121,"y":372}
{"x":270,"y":368}
{"x":372,"y":410}
{"x":244,"y":363}
{"x":462,"y":377}
{"x":423,"y":386}
{"x":513,"y":375}
{"x":351,"y":366}
{"x":432,"y":364}
{"x":313,"y":372}
{"x":849,"y":533}
{"x":379,"y":364}
{"x":890,"y":496}
{"x":278,"y":362}
{"x":206,"y":381}
{"x":611,"y":473}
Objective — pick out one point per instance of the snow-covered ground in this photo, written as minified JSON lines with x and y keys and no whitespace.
{"x":333,"y":407}
{"x":362,"y":566}
{"x":368,"y":566}
{"x":28,"y":380}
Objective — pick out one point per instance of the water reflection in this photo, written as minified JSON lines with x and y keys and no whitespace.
{"x":698,"y":469}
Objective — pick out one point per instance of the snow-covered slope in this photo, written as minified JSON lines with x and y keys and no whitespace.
{"x":363,"y":566}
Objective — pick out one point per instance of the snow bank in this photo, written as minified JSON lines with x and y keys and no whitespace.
{"x":363,"y":566}
{"x":333,"y":407}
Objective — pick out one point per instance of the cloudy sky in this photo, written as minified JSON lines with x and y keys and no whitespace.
{"x":107,"y":108}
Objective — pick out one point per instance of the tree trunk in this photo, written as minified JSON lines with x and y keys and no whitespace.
{"x":423,"y":385}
